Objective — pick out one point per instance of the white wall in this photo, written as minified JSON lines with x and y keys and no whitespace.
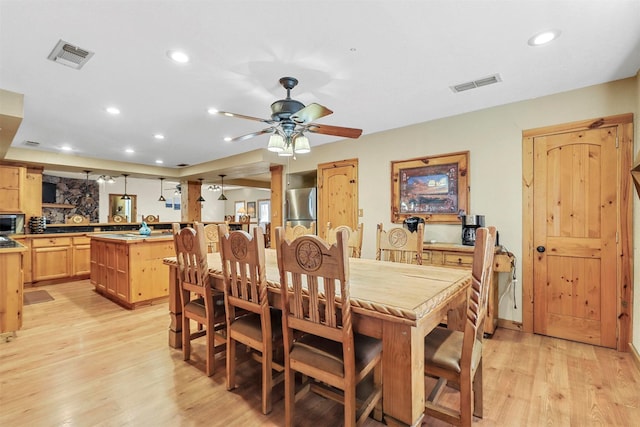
{"x":494,"y":138}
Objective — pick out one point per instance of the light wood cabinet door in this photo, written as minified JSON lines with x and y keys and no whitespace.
{"x":51,"y":262}
{"x":11,"y":194}
{"x":81,"y":256}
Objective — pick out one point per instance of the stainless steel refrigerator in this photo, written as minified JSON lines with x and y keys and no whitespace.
{"x":300,"y":206}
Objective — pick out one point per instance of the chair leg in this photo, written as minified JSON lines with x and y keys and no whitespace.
{"x":289,"y":395}
{"x":477,"y":392}
{"x":186,"y":338}
{"x":350,"y":406}
{"x":267,"y":381}
{"x":466,"y":400}
{"x":211,"y":348}
{"x":231,"y":362}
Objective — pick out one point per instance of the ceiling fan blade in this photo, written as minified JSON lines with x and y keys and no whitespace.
{"x":242,"y":116}
{"x":253,"y":134}
{"x":334,"y":130}
{"x":310,"y":113}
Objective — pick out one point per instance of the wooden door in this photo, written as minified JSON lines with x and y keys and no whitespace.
{"x":577,"y":227}
{"x":337,"y":194}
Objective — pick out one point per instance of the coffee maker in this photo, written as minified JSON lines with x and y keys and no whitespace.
{"x":469,"y":225}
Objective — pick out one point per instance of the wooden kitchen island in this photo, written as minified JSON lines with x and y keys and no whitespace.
{"x":128,"y":269}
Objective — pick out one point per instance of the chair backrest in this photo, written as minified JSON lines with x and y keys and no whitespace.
{"x":118,"y":218}
{"x":316,"y":279}
{"x":291,"y":231}
{"x":244,"y":275}
{"x":191,"y":254}
{"x":481,"y":272}
{"x":77,"y":219}
{"x":354,"y":238}
{"x":211,"y":237}
{"x":399,"y":244}
{"x":245,"y":219}
{"x":151,"y":218}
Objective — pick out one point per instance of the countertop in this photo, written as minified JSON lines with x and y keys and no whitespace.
{"x":8,"y":245}
{"x":131,"y":237}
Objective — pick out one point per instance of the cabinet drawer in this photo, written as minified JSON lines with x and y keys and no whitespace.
{"x":458,"y":259}
{"x":82,"y":240}
{"x":51,"y":241}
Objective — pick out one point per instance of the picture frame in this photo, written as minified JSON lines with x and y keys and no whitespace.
{"x":251,"y":209}
{"x":435,"y":188}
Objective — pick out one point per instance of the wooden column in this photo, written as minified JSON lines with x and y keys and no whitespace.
{"x":191,"y":208}
{"x":276,"y":200}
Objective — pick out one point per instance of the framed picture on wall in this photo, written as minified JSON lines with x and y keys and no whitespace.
{"x":435,"y":188}
{"x":251,"y":209}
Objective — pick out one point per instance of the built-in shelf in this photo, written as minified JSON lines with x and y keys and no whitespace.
{"x":57,"y":205}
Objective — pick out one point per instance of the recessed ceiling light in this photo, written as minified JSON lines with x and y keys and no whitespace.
{"x":544,"y":37}
{"x":159,"y":162}
{"x":227,"y":138}
{"x":158,"y":136}
{"x":212,"y":111}
{"x":66,"y":148}
{"x":178,"y":56}
{"x":129,"y":150}
{"x":113,"y":110}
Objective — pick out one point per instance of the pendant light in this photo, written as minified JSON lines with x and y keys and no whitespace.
{"x":200,"y":199}
{"x":125,"y":196}
{"x":86,"y":185}
{"x":161,"y":198}
{"x":222,"y":196}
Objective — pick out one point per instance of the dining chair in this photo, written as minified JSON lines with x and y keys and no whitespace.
{"x":316,"y":308}
{"x":150,"y":219}
{"x":211,"y":237}
{"x":77,"y":219}
{"x":354,"y":238}
{"x":250,"y":321}
{"x":293,"y":231}
{"x":399,"y":244}
{"x":199,"y":301}
{"x":118,"y":218}
{"x":455,"y":357}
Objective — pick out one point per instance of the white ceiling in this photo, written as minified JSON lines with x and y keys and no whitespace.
{"x":377,"y":64}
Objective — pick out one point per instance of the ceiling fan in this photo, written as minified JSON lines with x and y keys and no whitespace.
{"x":290,"y":119}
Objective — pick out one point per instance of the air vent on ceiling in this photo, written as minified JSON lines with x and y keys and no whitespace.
{"x":31,"y":143}
{"x":67,"y":54}
{"x":477,"y":83}
{"x":181,"y":165}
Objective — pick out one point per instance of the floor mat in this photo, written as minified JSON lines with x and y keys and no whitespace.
{"x":35,"y":297}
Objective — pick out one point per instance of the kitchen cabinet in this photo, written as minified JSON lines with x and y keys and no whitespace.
{"x":81,"y":255}
{"x":51,"y":258}
{"x":12,"y":180}
{"x":461,"y":256}
{"x":128,"y":269}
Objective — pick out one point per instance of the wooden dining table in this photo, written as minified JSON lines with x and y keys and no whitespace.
{"x":397,"y":303}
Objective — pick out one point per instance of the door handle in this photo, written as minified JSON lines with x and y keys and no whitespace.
{"x":540,"y":249}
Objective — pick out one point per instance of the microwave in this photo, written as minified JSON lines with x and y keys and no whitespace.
{"x":11,"y":223}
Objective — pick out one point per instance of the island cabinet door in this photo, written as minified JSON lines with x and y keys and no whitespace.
{"x":149,"y":277}
{"x":122,"y":272}
{"x":98,"y":265}
{"x":51,"y":258}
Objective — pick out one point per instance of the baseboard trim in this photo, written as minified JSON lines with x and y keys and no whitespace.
{"x":510,"y":324}
{"x":635,"y":356}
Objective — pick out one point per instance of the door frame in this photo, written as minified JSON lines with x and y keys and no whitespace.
{"x":624,"y":249}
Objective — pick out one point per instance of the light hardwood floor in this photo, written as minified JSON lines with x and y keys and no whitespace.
{"x":82,"y":360}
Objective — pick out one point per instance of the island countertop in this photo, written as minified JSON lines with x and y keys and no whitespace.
{"x":131,"y":238}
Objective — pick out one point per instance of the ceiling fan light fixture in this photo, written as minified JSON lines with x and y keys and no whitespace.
{"x":288,"y":151}
{"x":301,"y":145}
{"x":276,"y":143}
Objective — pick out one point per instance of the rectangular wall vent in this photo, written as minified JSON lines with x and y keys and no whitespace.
{"x":31,"y":143}
{"x":476,"y":83}
{"x":67,"y":54}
